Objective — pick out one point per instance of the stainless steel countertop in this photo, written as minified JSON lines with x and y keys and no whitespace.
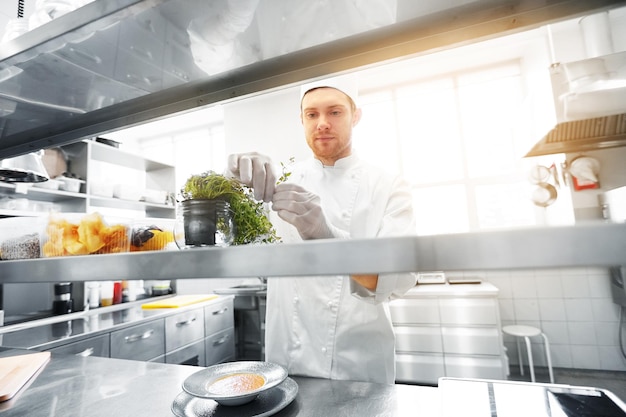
{"x":44,"y":335}
{"x":92,"y":387}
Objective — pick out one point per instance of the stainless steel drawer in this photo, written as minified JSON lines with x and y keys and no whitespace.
{"x":141,"y":342}
{"x":220,"y":347}
{"x":183,"y":328}
{"x":94,"y":346}
{"x":218,"y":316}
{"x":193,"y":354}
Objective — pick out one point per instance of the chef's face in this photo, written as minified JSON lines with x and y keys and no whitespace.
{"x":328,"y":116}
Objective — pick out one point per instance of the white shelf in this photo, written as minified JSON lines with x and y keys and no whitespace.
{"x":83,"y":157}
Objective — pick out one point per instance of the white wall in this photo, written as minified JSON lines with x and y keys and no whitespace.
{"x":269,"y":124}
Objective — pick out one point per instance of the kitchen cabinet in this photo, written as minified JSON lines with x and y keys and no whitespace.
{"x":95,"y":162}
{"x":201,"y":334}
{"x":448,"y":330}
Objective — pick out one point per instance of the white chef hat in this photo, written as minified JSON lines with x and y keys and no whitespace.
{"x":347,"y":84}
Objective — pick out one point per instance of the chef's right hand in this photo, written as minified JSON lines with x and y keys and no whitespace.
{"x":254,"y":170}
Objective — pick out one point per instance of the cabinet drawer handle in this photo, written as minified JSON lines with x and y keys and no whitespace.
{"x":86,"y":352}
{"x":221,"y":341}
{"x":143,"y":52}
{"x":186,"y":322}
{"x":87,"y":56}
{"x":138,"y":79}
{"x":137,"y":337}
{"x":222,"y":311}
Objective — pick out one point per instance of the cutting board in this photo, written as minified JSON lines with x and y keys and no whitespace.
{"x":15,"y":371}
{"x":179,"y":301}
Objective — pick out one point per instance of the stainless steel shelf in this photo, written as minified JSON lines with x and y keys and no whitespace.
{"x":81,"y":75}
{"x":600,"y":245}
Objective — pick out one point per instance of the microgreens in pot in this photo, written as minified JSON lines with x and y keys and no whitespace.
{"x":252,"y":224}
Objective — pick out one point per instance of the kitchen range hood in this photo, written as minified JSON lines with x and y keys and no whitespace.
{"x":589,"y":96}
{"x":590,"y":100}
{"x":583,"y":136}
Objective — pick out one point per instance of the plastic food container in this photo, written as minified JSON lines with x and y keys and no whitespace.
{"x":20,"y":238}
{"x":149,"y":237}
{"x":84,"y":234}
{"x":48,"y":185}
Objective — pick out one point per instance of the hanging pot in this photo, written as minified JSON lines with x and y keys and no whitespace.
{"x":544,"y":195}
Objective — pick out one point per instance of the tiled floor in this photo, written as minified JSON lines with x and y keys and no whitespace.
{"x":610,"y":380}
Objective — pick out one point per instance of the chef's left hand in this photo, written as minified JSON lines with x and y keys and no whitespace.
{"x":302,"y":209}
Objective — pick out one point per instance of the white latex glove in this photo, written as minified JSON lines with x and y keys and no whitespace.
{"x":301,"y":208}
{"x":254,"y":170}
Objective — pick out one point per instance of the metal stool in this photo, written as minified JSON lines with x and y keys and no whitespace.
{"x":527,"y":332}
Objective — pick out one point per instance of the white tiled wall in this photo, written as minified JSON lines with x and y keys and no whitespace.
{"x":573,"y":307}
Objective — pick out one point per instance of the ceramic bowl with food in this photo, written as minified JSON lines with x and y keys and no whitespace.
{"x":235,"y":383}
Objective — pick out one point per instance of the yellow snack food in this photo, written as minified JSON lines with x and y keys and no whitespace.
{"x":150,"y":238}
{"x":91,"y":235}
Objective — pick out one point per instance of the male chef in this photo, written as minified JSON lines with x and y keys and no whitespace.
{"x":336,"y":327}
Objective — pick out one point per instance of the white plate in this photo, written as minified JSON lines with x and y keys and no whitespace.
{"x":267,"y":403}
{"x":199,"y":384}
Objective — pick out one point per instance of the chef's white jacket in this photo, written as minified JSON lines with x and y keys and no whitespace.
{"x":331,"y":327}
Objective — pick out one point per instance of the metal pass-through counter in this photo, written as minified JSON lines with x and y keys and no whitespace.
{"x":94,"y":387}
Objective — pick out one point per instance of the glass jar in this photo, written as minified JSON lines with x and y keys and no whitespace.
{"x":204,"y":222}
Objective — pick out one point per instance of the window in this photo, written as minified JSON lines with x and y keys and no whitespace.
{"x":452,"y":137}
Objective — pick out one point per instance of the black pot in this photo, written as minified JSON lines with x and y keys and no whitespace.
{"x":206,"y":221}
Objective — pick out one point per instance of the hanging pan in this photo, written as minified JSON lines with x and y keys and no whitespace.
{"x":544,"y":194}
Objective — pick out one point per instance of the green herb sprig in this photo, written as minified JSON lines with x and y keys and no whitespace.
{"x":285,"y":173}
